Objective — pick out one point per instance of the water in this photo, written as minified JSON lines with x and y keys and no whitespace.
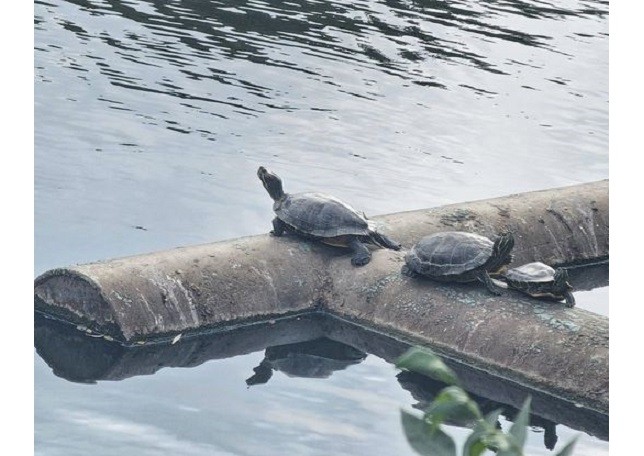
{"x":305,"y":392}
{"x":151,"y":119}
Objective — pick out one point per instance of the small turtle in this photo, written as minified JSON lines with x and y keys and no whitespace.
{"x":322,"y":217}
{"x":455,"y":256}
{"x":541,"y":281}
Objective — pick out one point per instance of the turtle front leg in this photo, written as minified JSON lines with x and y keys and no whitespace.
{"x":407,"y":271}
{"x":570,"y":299}
{"x":361,"y":254}
{"x":489,"y":284}
{"x":278,"y":227}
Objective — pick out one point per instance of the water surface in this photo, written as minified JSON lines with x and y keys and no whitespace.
{"x":293,"y":385}
{"x":156,"y":115}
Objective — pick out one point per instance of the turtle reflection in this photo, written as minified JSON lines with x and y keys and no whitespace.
{"x":317,"y":358}
{"x":424,"y":390}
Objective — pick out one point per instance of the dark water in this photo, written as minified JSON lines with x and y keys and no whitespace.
{"x":151,"y":119}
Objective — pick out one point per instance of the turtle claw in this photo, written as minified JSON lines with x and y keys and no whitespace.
{"x":570,"y":299}
{"x":278,"y":227}
{"x":407,"y":271}
{"x":361,"y":254}
{"x":490,"y":285}
{"x":360,"y":260}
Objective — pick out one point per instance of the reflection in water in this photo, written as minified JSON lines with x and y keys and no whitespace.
{"x":309,"y":346}
{"x":424,"y":390}
{"x":78,"y":357}
{"x":589,"y":277}
{"x":317,"y":358}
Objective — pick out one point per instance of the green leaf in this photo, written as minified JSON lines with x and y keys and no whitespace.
{"x":518,"y":430}
{"x":453,"y":404}
{"x":493,"y":417}
{"x":424,"y":361}
{"x":424,"y":439}
{"x":474,"y":445}
{"x":517,"y":434}
{"x":567,"y":450}
{"x":484,"y":437}
{"x":501,"y":443}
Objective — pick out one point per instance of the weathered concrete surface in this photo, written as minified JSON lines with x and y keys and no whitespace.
{"x":539,"y":343}
{"x":187,"y":288}
{"x":253,"y":278}
{"x":559,"y":226}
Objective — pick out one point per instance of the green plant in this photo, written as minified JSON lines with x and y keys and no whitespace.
{"x":453,"y":404}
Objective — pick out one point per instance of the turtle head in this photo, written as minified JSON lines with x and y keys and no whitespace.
{"x":562,"y":287}
{"x":272,"y":183}
{"x":561,"y":280}
{"x":503,"y":246}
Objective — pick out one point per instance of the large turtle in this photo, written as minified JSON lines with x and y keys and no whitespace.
{"x":541,"y":281}
{"x":322,"y":217}
{"x":455,"y":256}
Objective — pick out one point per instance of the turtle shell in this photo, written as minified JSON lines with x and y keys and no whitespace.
{"x":451,"y":253}
{"x":541,"y":281}
{"x":531,"y":273}
{"x":321,"y":215}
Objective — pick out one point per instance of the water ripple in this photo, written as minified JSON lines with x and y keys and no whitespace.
{"x":391,"y":104}
{"x":390,"y":36}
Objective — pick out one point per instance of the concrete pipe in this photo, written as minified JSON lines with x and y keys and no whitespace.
{"x":189,"y":289}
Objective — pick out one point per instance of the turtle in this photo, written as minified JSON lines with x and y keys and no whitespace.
{"x":456,"y":256}
{"x":541,"y":281}
{"x":324,"y":218}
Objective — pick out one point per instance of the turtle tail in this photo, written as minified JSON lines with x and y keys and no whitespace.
{"x":384,"y":241}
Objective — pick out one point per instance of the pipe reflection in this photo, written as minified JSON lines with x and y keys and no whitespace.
{"x":424,"y":390}
{"x":589,"y":277}
{"x":312,"y":346}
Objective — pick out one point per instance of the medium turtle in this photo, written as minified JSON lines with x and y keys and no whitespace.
{"x":322,"y":217}
{"x":541,"y":281}
{"x":455,"y":256}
